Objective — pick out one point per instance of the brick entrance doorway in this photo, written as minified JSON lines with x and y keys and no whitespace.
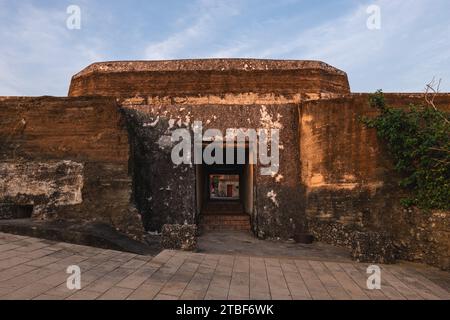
{"x":225,"y":195}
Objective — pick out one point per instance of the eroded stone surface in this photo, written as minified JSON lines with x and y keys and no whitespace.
{"x":208,"y":76}
{"x":165,"y":193}
{"x":350,"y":181}
{"x":176,"y":236}
{"x":335,"y":176}
{"x":87,"y":131}
{"x":44,"y":185}
{"x":423,"y":236}
{"x":372,"y":247}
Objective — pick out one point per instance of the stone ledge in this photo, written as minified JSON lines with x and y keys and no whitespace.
{"x":206,"y":65}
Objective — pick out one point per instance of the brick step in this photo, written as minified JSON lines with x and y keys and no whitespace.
{"x":223,"y":208}
{"x":224,"y":228}
{"x":225,"y":222}
{"x":225,"y":218}
{"x":224,"y":214}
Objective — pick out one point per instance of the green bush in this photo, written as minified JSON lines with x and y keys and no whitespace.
{"x":418,"y":138}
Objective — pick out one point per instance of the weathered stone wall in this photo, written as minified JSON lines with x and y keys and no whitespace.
{"x":50,"y":148}
{"x":163,"y":192}
{"x":423,"y":236}
{"x":342,"y":165}
{"x":208,"y":76}
{"x":170,"y":196}
{"x":179,"y":237}
{"x":349,"y":178}
{"x":73,"y":158}
{"x":44,"y":185}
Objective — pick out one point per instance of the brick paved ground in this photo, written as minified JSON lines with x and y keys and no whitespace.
{"x":36,"y":269}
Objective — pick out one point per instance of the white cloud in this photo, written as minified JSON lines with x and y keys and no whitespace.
{"x":42,"y":53}
{"x":38,"y":54}
{"x":207,"y":17}
{"x":172,"y":46}
{"x":409,"y":49}
{"x":345,"y":39}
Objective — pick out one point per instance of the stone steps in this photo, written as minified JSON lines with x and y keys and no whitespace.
{"x":223,"y":208}
{"x":225,"y":222}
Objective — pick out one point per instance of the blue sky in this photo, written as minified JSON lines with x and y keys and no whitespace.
{"x":39,"y":54}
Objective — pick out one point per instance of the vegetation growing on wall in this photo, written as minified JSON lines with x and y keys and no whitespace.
{"x":418,"y":138}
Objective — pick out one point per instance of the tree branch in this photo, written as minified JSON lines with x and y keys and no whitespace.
{"x":432,"y":89}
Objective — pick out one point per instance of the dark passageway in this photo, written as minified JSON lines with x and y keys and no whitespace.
{"x":225,"y":193}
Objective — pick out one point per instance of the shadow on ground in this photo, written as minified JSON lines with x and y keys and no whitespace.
{"x":91,"y":234}
{"x":244,"y":243}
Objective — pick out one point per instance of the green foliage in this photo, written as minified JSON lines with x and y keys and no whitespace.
{"x":418,"y":138}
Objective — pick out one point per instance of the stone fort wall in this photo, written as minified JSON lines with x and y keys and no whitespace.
{"x":208,"y":77}
{"x":351,"y":184}
{"x":66,"y":157}
{"x":170,"y":196}
{"x":91,"y":158}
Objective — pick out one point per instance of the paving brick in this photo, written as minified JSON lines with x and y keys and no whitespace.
{"x":84,"y":295}
{"x":116,"y":293}
{"x":192,"y":295}
{"x":61,"y":291}
{"x":297,"y":286}
{"x":277,"y":283}
{"x":8,"y":246}
{"x":11,"y":262}
{"x":259,"y":282}
{"x":315,"y":287}
{"x":255,"y":295}
{"x":221,"y":281}
{"x":33,"y":247}
{"x":9,"y":254}
{"x":401,"y":287}
{"x":16,"y":271}
{"x":28,"y":292}
{"x":333,"y":287}
{"x":174,"y":288}
{"x":134,"y":263}
{"x":198,"y":283}
{"x":354,"y":291}
{"x":48,"y":297}
{"x":134,"y":280}
{"x":361,"y":280}
{"x":420,"y":286}
{"x":109,"y":280}
{"x":42,"y":261}
{"x":34,"y":269}
{"x":27,"y":278}
{"x":216,"y":293}
{"x":145,"y":292}
{"x":165,"y":297}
